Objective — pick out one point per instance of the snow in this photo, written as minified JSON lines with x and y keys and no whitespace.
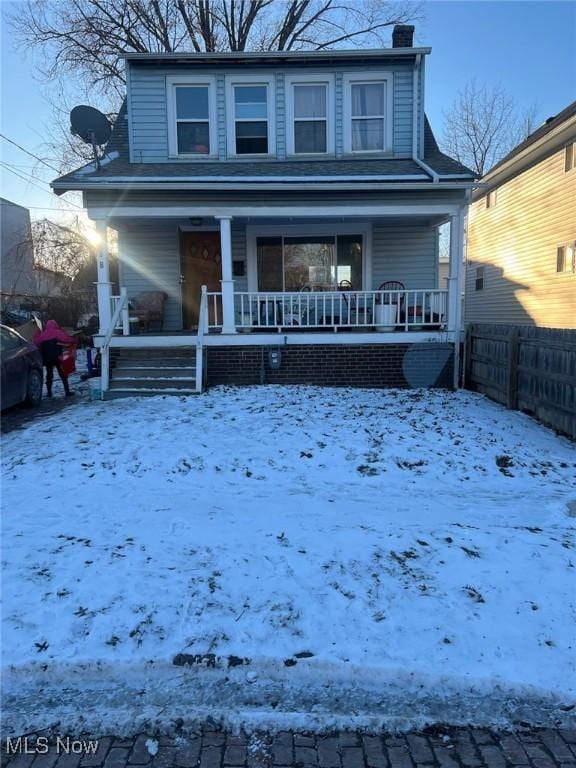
{"x":289,"y":556}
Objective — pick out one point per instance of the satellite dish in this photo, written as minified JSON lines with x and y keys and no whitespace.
{"x":91,"y":126}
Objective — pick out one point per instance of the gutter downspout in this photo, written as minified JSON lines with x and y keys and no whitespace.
{"x":415,"y":82}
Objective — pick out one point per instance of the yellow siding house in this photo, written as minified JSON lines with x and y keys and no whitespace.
{"x":521,"y":248}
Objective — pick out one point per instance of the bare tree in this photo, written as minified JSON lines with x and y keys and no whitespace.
{"x":87,"y":37}
{"x":484,"y":124}
{"x":78,"y":44}
{"x":61,"y":249}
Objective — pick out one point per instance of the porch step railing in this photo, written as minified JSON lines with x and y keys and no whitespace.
{"x":202,"y":329}
{"x":119,"y":304}
{"x":383,"y":310}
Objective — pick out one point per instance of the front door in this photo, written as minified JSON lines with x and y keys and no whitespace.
{"x":200,"y":265}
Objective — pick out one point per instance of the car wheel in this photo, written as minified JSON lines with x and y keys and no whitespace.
{"x":34,"y":389}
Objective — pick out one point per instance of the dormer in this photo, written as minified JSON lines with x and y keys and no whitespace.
{"x":266,"y":106}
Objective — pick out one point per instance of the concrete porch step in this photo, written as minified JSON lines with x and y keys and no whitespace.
{"x":159,"y":371}
{"x":155,"y":352}
{"x":184,"y":382}
{"x":152,"y":371}
{"x":117,"y":393}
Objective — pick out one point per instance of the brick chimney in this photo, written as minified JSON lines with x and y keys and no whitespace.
{"x":402,"y":36}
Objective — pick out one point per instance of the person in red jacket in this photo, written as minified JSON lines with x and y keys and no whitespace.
{"x":49,"y":342}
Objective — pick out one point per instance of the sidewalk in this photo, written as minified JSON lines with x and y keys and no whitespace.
{"x":440,"y":747}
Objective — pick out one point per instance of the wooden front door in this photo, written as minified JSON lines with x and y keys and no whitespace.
{"x":200,"y":265}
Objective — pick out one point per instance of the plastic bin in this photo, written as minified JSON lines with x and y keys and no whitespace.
{"x":95,"y":386}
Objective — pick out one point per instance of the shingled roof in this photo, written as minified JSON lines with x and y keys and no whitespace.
{"x":539,"y":133}
{"x":116,"y":165}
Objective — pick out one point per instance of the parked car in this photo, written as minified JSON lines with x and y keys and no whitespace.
{"x":22,"y":373}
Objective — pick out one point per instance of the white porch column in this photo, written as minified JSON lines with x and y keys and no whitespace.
{"x":228,"y":315}
{"x":456,"y":272}
{"x":103,"y":286}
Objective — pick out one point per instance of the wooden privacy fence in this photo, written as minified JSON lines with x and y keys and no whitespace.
{"x":525,"y":368}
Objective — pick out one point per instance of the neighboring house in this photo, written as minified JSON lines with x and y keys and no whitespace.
{"x":521,"y":245}
{"x":51,"y":283}
{"x":292,"y":185}
{"x":16,"y":254}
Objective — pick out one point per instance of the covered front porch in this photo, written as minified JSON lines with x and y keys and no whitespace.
{"x":343,"y":275}
{"x":232,"y":275}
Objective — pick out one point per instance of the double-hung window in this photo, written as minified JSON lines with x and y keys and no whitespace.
{"x":310,"y":109}
{"x":368,"y":113}
{"x":192,"y":117}
{"x":250,"y":116}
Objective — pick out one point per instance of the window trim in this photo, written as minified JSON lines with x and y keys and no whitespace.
{"x":269,"y":82}
{"x":254,"y":231}
{"x":172,"y":82}
{"x":564,"y":247}
{"x":570,"y":166}
{"x":358,"y":78}
{"x":317,"y":78}
{"x":479,"y":278}
{"x":492,"y":198}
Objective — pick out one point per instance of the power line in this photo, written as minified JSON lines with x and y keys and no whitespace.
{"x":20,"y":176}
{"x":48,"y":208}
{"x":30,"y":153}
{"x":32,"y":179}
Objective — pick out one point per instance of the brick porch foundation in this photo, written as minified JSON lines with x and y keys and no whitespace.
{"x":338,"y":365}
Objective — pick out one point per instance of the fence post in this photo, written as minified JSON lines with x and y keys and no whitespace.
{"x":468,"y":357}
{"x":512,"y":370}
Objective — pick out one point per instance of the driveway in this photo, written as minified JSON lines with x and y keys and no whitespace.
{"x":19,"y":417}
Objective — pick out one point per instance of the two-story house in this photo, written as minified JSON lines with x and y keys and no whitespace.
{"x":17,"y":278}
{"x":521,"y":246}
{"x":282,"y":210}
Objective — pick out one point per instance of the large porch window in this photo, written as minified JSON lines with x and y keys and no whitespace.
{"x":315,"y":263}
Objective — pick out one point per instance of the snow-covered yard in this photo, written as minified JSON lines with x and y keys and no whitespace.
{"x":310,"y":555}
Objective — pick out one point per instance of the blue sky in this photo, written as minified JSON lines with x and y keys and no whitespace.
{"x":527,"y":47}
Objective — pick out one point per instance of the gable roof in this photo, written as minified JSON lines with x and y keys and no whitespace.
{"x":437,"y":160}
{"x":551,"y":137}
{"x":547,"y":127}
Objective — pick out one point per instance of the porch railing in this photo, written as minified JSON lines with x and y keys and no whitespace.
{"x":383,"y":310}
{"x":123,"y":320}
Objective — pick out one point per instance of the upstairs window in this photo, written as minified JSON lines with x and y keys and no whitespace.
{"x":192,"y":118}
{"x":309,"y":119}
{"x":310,"y":109}
{"x":250,"y":129}
{"x":368,"y":114}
